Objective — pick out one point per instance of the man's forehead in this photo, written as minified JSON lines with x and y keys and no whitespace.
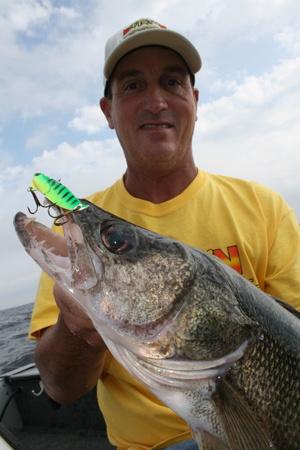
{"x":137,"y":62}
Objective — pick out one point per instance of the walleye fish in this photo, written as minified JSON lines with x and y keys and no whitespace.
{"x":218,"y":351}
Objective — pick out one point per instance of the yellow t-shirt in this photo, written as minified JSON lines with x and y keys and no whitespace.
{"x":247,"y":225}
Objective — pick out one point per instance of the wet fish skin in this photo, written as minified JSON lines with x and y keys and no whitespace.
{"x":268,"y":377}
{"x":193,"y":330}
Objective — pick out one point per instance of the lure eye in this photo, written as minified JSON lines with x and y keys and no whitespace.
{"x":117,"y":238}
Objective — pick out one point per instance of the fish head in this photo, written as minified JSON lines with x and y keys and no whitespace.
{"x":131,"y":282}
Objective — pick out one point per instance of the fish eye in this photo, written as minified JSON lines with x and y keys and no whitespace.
{"x":117,"y":238}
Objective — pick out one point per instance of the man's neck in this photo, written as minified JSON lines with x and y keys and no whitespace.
{"x":161,"y":187}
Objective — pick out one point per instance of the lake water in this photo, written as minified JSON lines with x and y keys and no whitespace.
{"x":15,"y":347}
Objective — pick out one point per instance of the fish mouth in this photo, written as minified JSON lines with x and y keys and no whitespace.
{"x":66,"y":258}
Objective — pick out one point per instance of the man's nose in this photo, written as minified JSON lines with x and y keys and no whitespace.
{"x":155,"y":99}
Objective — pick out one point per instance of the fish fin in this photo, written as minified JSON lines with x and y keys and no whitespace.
{"x":243,"y":429}
{"x":287,"y":306}
{"x":207,"y":441}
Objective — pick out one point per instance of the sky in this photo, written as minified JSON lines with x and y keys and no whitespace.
{"x":52,"y":54}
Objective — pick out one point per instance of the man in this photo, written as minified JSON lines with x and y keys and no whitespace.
{"x":151,"y":103}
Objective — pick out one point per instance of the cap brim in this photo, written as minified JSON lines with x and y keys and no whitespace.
{"x":162,"y":37}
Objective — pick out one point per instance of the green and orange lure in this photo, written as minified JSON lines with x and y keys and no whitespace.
{"x":57,"y":195}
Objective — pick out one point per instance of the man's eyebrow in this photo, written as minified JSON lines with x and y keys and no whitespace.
{"x":178,"y":69}
{"x":134,"y":72}
{"x":127,"y":74}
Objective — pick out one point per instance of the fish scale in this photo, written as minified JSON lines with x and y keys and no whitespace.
{"x":268,"y":378}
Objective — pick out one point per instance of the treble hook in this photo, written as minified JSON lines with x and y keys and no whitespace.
{"x":50,"y":206}
{"x":62,"y":215}
{"x":59,"y":216}
{"x":37,"y":202}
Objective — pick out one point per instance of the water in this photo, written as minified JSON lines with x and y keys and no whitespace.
{"x":15,"y":348}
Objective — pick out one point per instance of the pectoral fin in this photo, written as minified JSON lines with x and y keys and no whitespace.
{"x":243,"y":430}
{"x":206,"y":441}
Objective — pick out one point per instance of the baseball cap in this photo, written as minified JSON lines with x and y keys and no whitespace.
{"x":145,"y":32}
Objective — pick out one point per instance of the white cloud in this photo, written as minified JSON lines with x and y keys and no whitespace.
{"x":24,"y":15}
{"x":254,"y":132}
{"x":5,"y":160}
{"x":89,"y":119}
{"x":40,"y":138}
{"x":49,"y":59}
{"x":254,"y":95}
{"x":85,"y":168}
{"x":289,"y":38}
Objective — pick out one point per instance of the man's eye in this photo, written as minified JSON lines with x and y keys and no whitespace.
{"x":173,"y":82}
{"x":130,"y":86}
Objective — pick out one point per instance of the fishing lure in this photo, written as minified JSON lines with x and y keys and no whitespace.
{"x":56,"y":193}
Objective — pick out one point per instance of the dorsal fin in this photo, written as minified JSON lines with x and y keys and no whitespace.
{"x":289,"y":307}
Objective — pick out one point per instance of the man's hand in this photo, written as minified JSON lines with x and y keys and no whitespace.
{"x":70,"y":355}
{"x":76,"y":319}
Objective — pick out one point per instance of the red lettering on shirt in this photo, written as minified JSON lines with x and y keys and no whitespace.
{"x":232,"y":258}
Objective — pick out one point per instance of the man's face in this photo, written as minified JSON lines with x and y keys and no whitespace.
{"x":153,"y":109}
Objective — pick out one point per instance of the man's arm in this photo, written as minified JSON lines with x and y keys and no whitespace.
{"x":70,"y":355}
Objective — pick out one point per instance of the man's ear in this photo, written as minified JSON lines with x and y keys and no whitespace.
{"x":105,"y":105}
{"x":196,"y":97}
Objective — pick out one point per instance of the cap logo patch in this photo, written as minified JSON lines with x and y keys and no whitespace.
{"x":141,"y":25}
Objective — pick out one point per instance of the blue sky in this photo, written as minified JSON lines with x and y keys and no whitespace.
{"x":51,"y":56}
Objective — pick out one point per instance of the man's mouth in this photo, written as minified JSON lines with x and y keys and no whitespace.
{"x":152,"y":125}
